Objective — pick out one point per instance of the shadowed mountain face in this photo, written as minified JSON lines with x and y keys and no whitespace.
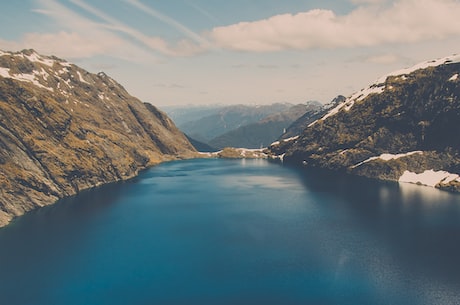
{"x":63,"y":129}
{"x":403,"y":127}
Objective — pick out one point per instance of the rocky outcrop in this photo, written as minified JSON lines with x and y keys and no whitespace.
{"x":63,"y":130}
{"x":402,"y":127}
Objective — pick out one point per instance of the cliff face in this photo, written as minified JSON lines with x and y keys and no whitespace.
{"x":63,"y":129}
{"x":403,"y":127}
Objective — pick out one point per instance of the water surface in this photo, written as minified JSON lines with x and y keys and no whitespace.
{"x":237,"y":232}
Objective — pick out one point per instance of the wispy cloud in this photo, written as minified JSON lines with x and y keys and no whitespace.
{"x":84,"y":36}
{"x":201,"y":10}
{"x":170,"y":21}
{"x":77,"y":37}
{"x":158,"y":44}
{"x":405,"y":21}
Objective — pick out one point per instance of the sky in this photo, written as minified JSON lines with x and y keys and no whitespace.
{"x":196,"y":52}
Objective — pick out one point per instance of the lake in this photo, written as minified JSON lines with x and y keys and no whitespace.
{"x":237,"y":232}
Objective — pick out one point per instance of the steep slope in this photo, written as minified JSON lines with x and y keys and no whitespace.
{"x":403,"y":127}
{"x":265,"y":131}
{"x":63,"y":129}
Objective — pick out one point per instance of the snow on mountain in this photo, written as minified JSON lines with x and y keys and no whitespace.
{"x":429,"y":178}
{"x":402,"y":128}
{"x":379,"y":86}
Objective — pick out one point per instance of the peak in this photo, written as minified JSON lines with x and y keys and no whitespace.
{"x":29,"y":52}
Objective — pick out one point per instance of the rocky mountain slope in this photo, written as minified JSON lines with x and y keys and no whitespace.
{"x":63,"y":129}
{"x":403,"y":127}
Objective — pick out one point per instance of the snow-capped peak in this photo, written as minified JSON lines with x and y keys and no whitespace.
{"x":455,"y":58}
{"x":378,"y":86}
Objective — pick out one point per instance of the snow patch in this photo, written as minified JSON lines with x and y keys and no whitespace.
{"x":429,"y":177}
{"x":81,"y":78}
{"x":454,"y":78}
{"x":388,"y":157}
{"x":5,"y":72}
{"x":281,"y":157}
{"x":62,"y":71}
{"x":34,"y":57}
{"x":423,"y":65}
{"x":284,"y":140}
{"x":42,"y":73}
{"x":29,"y":78}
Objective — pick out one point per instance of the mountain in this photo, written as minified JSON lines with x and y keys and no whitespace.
{"x":228,"y":118}
{"x":63,"y":130}
{"x":182,"y":114}
{"x":200,"y":146}
{"x":311,"y":115}
{"x":403,"y":127}
{"x":265,"y":131}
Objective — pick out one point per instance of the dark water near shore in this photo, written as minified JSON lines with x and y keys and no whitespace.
{"x":237,"y":232}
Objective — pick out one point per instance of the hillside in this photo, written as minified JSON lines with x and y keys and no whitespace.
{"x":402,"y":128}
{"x":63,"y":130}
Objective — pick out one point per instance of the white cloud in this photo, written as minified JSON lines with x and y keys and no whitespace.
{"x":77,"y":37}
{"x":64,"y":44}
{"x":405,"y":21}
{"x":80,"y":37}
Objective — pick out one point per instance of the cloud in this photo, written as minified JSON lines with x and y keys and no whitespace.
{"x":405,"y":21}
{"x":182,"y":48}
{"x":81,"y":37}
{"x":77,"y":37}
{"x":201,"y":10}
{"x":171,"y":22}
{"x":65,"y":44}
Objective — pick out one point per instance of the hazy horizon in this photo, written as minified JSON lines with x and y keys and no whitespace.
{"x":192,"y":52}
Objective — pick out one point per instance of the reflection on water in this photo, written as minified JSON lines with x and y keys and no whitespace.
{"x":237,"y":232}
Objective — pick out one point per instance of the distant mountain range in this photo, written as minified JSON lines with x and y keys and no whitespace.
{"x":239,"y":125}
{"x":403,"y":127}
{"x":63,"y":130}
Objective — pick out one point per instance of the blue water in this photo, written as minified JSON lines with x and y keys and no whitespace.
{"x":237,"y":232}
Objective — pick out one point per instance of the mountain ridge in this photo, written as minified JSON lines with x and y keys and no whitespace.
{"x":401,"y":128}
{"x":63,"y":130}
